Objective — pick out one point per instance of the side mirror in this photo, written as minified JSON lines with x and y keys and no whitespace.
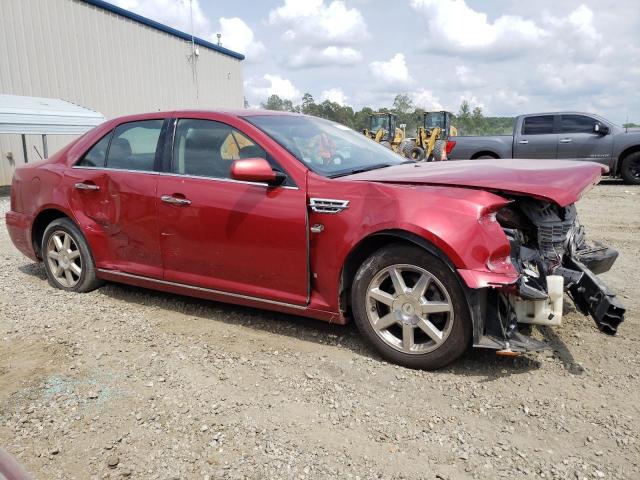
{"x":256,"y":170}
{"x":600,"y":129}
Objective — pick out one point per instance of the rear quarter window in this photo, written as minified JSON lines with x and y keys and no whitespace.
{"x":97,"y":154}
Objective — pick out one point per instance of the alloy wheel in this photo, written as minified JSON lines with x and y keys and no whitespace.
{"x":65,"y":261}
{"x":409,"y":309}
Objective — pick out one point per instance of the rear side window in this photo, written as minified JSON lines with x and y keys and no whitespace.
{"x":206,"y":148}
{"x":539,"y":125}
{"x":96,"y":156}
{"x":576,"y":124}
{"x":134,"y":145}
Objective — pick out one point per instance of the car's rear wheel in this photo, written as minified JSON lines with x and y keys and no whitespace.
{"x":630,"y":170}
{"x":411,"y":307}
{"x":67,"y":258}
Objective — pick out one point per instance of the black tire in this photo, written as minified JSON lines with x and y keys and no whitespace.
{"x":406,"y":146}
{"x":438,"y":151}
{"x":86,"y":281}
{"x":459,"y":334}
{"x":417,"y":154}
{"x":486,"y":157}
{"x":630,"y":170}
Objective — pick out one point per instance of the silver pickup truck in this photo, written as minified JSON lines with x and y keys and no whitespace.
{"x":565,"y":135}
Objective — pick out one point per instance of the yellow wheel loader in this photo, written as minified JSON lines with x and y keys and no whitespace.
{"x":382,"y":129}
{"x":432,"y":138}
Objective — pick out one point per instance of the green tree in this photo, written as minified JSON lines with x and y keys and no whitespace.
{"x":402,"y":104}
{"x":308,"y":104}
{"x":274,"y":102}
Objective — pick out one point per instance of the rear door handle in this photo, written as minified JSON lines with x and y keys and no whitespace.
{"x":86,"y":186}
{"x":565,"y":140}
{"x":175,"y":200}
{"x":523,"y":142}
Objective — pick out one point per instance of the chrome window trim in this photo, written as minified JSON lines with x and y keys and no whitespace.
{"x":230,"y":180}
{"x":202,"y":289}
{"x":83,"y":167}
{"x":172,"y":174}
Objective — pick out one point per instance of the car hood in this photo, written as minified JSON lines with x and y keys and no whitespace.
{"x":562,"y":182}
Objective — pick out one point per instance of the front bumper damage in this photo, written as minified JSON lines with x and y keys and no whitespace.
{"x":552,"y":257}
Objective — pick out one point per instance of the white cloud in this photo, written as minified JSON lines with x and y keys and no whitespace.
{"x":238,"y":36}
{"x":261,"y":88}
{"x":426,"y":100}
{"x":454,"y":26}
{"x":467,"y":78}
{"x":317,"y":23}
{"x":309,"y":57}
{"x":393,"y":72}
{"x":334,"y":95}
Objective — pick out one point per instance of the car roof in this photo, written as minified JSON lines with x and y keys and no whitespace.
{"x":179,"y":113}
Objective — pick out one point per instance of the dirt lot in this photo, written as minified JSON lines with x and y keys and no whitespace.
{"x":124,"y":382}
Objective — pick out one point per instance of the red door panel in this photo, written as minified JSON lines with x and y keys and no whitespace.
{"x":120,"y":218}
{"x":235,"y":237}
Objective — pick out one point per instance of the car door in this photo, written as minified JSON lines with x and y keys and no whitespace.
{"x":578,"y":140}
{"x":537,"y":138}
{"x":115,"y":189}
{"x":238,"y":237}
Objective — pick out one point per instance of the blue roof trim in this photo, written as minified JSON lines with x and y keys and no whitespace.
{"x":162,"y":27}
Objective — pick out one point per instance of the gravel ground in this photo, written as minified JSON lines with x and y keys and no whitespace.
{"x":125,"y":382}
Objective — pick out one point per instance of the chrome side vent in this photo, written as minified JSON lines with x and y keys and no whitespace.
{"x":327,"y":205}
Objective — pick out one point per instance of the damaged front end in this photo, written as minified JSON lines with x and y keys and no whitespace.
{"x":551,"y":255}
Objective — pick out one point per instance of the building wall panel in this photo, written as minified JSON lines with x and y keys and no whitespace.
{"x":95,"y":58}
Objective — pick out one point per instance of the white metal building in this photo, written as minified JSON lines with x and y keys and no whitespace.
{"x":102,"y":57}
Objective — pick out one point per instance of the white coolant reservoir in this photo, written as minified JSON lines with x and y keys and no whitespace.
{"x":542,"y":312}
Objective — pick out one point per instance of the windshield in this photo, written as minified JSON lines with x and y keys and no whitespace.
{"x":434,"y":119}
{"x":378,"y":122}
{"x":327,"y":148}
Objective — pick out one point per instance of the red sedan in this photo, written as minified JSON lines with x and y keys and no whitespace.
{"x":305,"y":216}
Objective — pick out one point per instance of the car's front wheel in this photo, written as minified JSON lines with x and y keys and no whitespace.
{"x":411,"y":307}
{"x":67,"y":258}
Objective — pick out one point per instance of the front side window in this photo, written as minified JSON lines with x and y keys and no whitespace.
{"x":206,"y":148}
{"x":576,"y":124}
{"x":539,"y":125}
{"x":97,"y":154}
{"x":134,"y":145}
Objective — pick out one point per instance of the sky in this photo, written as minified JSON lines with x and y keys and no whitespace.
{"x":508,"y":57}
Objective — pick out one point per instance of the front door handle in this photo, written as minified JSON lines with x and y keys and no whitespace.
{"x":175,"y":200}
{"x":523,"y":142}
{"x":86,"y":186}
{"x":565,"y":140}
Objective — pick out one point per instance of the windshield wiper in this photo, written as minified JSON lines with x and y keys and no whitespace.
{"x":365,"y":169}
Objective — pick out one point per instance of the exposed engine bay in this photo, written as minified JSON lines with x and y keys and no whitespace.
{"x":552,"y":256}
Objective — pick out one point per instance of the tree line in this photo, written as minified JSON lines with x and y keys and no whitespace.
{"x":468,"y":121}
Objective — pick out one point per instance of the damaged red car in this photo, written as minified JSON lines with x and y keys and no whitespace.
{"x":307,"y":217}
